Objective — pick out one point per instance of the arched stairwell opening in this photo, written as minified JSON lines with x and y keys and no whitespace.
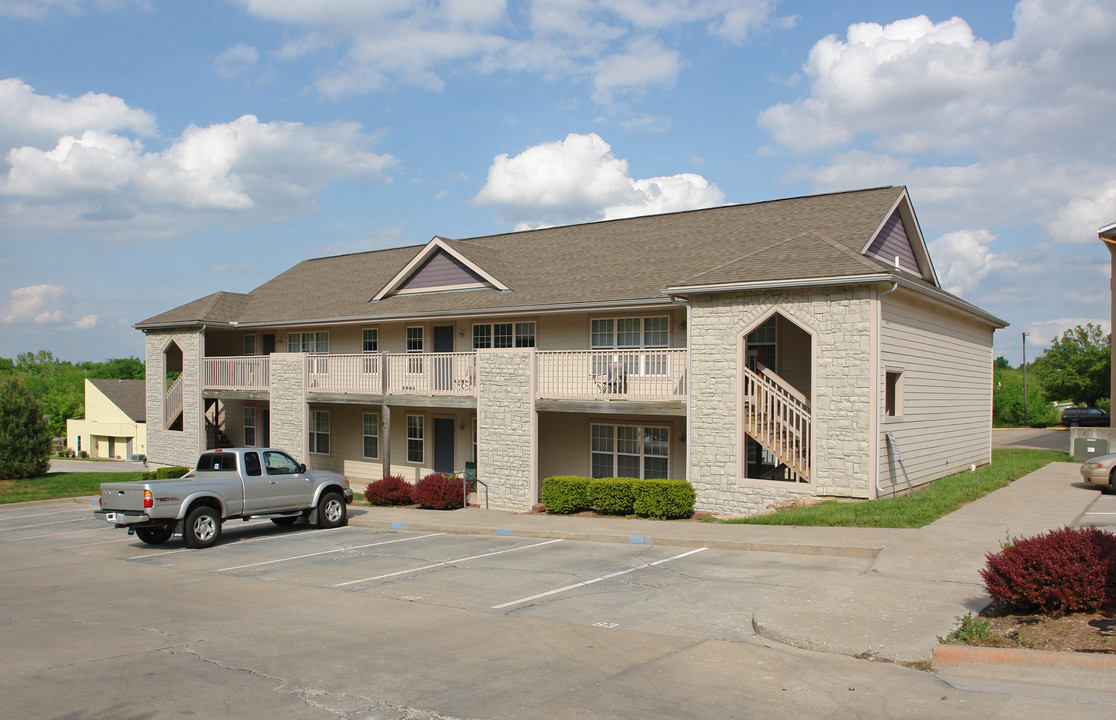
{"x":775,"y":408}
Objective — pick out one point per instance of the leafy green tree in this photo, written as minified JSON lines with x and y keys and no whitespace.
{"x":1007,"y":402}
{"x":24,"y":434}
{"x":1078,"y":366}
{"x":1001,"y":363}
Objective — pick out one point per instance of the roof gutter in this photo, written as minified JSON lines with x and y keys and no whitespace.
{"x":898,"y":279}
{"x":434,"y":315}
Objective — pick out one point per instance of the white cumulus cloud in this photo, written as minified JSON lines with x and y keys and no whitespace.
{"x":963,"y":258}
{"x":579,"y":179}
{"x":46,"y":305}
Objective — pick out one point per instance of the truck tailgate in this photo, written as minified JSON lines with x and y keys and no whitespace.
{"x":122,"y":496}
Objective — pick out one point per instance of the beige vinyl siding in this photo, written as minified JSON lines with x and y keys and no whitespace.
{"x":945,"y":359}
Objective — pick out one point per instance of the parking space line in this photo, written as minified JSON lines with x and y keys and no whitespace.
{"x":327,"y":552}
{"x":13,"y":515}
{"x":232,"y":544}
{"x":50,"y":535}
{"x":57,"y":522}
{"x":447,"y":562}
{"x":102,"y":542}
{"x":594,"y":580}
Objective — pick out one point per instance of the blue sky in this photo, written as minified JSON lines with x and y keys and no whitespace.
{"x":153,"y":152}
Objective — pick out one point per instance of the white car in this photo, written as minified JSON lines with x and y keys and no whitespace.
{"x":1099,"y":471}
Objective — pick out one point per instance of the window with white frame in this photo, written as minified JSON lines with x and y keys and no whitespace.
{"x":249,"y":344}
{"x":370,"y":343}
{"x":414,"y":345}
{"x":371,"y":436}
{"x":308,"y":342}
{"x":504,"y":335}
{"x":630,"y":451}
{"x":415,"y":439}
{"x":319,"y":432}
{"x":249,"y":427}
{"x":628,"y":336}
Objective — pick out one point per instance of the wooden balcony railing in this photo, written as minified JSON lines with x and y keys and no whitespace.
{"x":453,"y":374}
{"x":345,"y":373}
{"x":644,"y":375}
{"x":236,"y":373}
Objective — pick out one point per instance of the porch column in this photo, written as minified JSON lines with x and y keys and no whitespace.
{"x":288,"y":404}
{"x":385,"y":440}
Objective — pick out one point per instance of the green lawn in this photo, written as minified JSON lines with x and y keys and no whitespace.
{"x":929,"y":502}
{"x":59,"y":485}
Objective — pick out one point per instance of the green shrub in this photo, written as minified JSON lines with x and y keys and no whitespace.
{"x":664,"y":499}
{"x":166,"y":473}
{"x":613,"y":496}
{"x":25,"y":442}
{"x":566,"y":494}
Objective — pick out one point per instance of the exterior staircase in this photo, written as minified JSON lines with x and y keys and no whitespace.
{"x":172,"y":405}
{"x":778,"y":417}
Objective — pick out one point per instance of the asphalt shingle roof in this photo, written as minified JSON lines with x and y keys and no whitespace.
{"x":613,"y":261}
{"x":128,"y":395}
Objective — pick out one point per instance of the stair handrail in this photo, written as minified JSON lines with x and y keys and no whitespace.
{"x":779,"y":417}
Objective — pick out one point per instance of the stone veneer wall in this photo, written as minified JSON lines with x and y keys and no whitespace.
{"x":840,"y":321}
{"x":288,"y":405}
{"x":173,"y":447}
{"x":506,"y":422}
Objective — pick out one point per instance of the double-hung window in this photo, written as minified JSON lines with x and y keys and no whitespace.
{"x":249,"y":344}
{"x":319,"y":432}
{"x":314,"y":343}
{"x":630,"y":451}
{"x":249,"y":426}
{"x":414,"y":346}
{"x":504,"y":335}
{"x":370,"y":344}
{"x":631,"y":337}
{"x":371,"y":436}
{"x":415,"y":438}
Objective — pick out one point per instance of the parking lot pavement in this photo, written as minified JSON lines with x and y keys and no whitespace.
{"x":1101,"y":513}
{"x":699,"y":592}
{"x":393,"y":624}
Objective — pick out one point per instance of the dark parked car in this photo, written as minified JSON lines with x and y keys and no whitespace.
{"x":1085,"y":417}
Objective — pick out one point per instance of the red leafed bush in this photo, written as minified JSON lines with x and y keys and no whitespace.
{"x":1066,"y":570}
{"x":392,"y":490}
{"x":438,"y":491}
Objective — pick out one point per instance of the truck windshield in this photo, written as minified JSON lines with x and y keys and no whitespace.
{"x":209,"y":462}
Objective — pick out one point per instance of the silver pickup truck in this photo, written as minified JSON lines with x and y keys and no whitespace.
{"x":232,"y":483}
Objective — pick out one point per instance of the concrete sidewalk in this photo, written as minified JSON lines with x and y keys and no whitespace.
{"x":919,"y":584}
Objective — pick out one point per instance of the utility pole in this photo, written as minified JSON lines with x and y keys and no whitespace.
{"x":1024,"y":379}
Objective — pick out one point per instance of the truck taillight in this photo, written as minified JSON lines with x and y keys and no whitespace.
{"x":148,"y":499}
{"x":99,"y":503}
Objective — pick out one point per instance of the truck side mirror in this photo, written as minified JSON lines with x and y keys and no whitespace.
{"x":302,"y":467}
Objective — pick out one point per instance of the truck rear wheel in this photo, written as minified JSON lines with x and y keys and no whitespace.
{"x":202,"y":527}
{"x":154,"y":536}
{"x":331,"y":511}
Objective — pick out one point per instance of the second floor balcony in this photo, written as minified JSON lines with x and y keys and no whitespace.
{"x":646,"y":375}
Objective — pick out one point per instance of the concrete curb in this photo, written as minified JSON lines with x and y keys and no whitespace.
{"x":1087,"y":671}
{"x":626,"y":538}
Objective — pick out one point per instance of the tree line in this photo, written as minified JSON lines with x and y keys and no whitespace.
{"x":59,"y":385}
{"x":1075,"y":369}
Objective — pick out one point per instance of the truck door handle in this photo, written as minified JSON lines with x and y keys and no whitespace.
{"x":273,"y":482}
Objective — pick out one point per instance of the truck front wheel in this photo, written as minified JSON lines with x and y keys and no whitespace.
{"x":154,"y":536}
{"x":331,"y":511}
{"x":202,"y":527}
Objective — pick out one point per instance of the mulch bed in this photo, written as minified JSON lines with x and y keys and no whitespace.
{"x":1075,"y":632}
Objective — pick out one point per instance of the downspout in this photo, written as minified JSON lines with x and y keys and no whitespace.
{"x":875,"y":467}
{"x":200,"y":387}
{"x":689,"y":379}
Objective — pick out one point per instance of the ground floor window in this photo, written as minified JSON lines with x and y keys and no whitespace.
{"x":249,"y":426}
{"x":630,"y":451}
{"x":319,"y":432}
{"x":415,"y":439}
{"x":371,"y":435}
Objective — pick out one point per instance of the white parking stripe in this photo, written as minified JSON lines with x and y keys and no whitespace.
{"x":229,"y":545}
{"x":102,"y":542}
{"x":71,"y":532}
{"x":57,"y":522}
{"x":15,"y":515}
{"x":327,"y":552}
{"x":594,"y":580}
{"x":447,"y":562}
